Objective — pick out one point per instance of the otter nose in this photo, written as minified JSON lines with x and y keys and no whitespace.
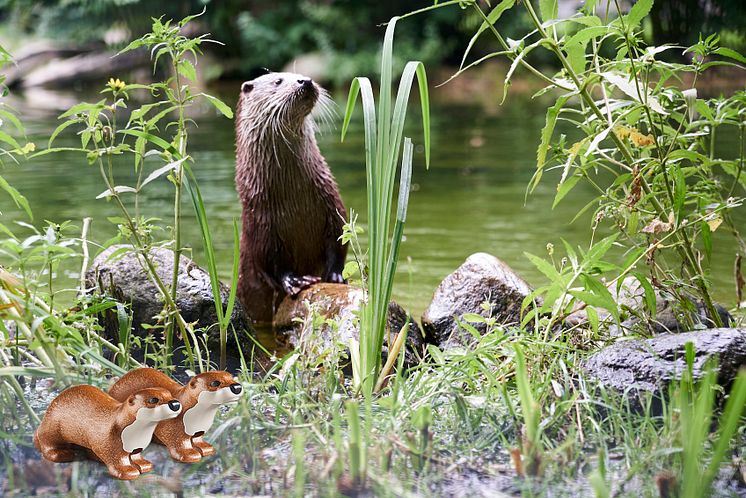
{"x":306,"y":82}
{"x":174,"y":405}
{"x":236,"y":388}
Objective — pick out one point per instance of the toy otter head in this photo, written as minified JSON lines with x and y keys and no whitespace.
{"x":154,"y":404}
{"x":215,"y":388}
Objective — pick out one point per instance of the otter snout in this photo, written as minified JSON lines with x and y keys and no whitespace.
{"x":174,"y":405}
{"x":236,"y":388}
{"x":306,"y":83}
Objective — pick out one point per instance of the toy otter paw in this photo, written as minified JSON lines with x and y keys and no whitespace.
{"x":125,"y":472}
{"x":139,"y":461}
{"x":205,"y":448}
{"x":293,"y":284}
{"x":185,"y":455}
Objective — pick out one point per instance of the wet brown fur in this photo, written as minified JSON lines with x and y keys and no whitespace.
{"x":292,"y":211}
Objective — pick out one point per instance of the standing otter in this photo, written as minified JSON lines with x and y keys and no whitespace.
{"x":292,"y":211}
{"x":113,"y":432}
{"x":200,"y":399}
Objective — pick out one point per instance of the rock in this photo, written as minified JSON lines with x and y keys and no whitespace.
{"x":341,"y":302}
{"x":125,"y":279}
{"x":482,"y":278}
{"x":650,"y":365}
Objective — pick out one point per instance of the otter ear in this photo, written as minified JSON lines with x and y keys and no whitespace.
{"x":193,"y":383}
{"x":247,"y":87}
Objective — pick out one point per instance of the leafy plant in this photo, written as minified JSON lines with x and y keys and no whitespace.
{"x":383,"y":140}
{"x":102,"y":139}
{"x":639,"y":136}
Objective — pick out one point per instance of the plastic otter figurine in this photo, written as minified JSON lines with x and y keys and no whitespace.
{"x":200,"y":398}
{"x":113,"y":432}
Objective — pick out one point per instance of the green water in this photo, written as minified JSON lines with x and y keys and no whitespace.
{"x":471,"y":199}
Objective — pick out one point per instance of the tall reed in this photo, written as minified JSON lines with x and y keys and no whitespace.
{"x":383,"y":141}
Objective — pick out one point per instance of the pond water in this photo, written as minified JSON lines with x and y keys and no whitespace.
{"x":470,"y":200}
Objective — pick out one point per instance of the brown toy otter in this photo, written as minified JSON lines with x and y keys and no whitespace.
{"x":293,"y":214}
{"x":200,"y":398}
{"x":113,"y":432}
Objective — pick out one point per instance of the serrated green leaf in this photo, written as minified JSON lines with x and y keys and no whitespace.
{"x":637,"y":13}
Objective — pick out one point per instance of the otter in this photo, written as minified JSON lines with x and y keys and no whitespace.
{"x":200,"y":399}
{"x":112,"y":432}
{"x":293,"y":214}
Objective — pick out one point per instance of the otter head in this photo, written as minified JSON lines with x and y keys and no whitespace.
{"x":215,"y":388}
{"x":154,"y":404}
{"x":285,"y":98}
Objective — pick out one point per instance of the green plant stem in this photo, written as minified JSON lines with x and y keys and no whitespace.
{"x":178,"y":180}
{"x":684,"y":248}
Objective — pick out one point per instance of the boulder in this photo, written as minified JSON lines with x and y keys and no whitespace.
{"x":337,"y":306}
{"x":650,"y":365}
{"x":482,"y":278}
{"x":120,"y":273}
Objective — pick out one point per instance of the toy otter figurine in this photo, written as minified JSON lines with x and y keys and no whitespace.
{"x":200,"y":398}
{"x":113,"y":432}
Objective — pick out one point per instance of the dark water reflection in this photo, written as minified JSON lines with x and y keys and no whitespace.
{"x":471,"y":199}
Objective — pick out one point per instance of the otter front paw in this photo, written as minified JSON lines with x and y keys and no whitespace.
{"x":293,"y":284}
{"x":335,"y":278}
{"x":185,"y":455}
{"x":125,"y":472}
{"x":139,"y":461}
{"x":203,"y":446}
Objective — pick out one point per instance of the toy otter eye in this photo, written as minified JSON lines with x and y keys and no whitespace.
{"x":215,"y":383}
{"x":278,"y":81}
{"x":153,"y":401}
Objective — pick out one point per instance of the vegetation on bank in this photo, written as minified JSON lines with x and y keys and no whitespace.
{"x":513,"y":409}
{"x":270,"y":34}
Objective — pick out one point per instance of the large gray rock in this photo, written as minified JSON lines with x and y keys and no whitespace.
{"x":482,"y":278}
{"x":650,"y":365}
{"x":337,"y":306}
{"x":124,"y":278}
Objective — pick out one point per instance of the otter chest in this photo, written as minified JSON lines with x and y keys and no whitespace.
{"x":200,"y":417}
{"x":138,"y":434}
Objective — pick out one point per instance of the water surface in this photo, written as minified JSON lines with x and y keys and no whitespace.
{"x":471,"y":199}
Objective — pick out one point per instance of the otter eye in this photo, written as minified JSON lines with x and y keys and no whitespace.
{"x":278,"y":81}
{"x":153,"y":401}
{"x":215,"y":383}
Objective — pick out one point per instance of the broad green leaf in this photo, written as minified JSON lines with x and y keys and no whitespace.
{"x":17,"y":197}
{"x":546,"y":136}
{"x":118,"y":189}
{"x":583,"y":36}
{"x":637,"y":13}
{"x":219,"y":105}
{"x":631,"y":89}
{"x":564,"y":188}
{"x":59,"y":130}
{"x":730,"y":53}
{"x":162,"y":170}
{"x":544,"y":266}
{"x":549,"y":9}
